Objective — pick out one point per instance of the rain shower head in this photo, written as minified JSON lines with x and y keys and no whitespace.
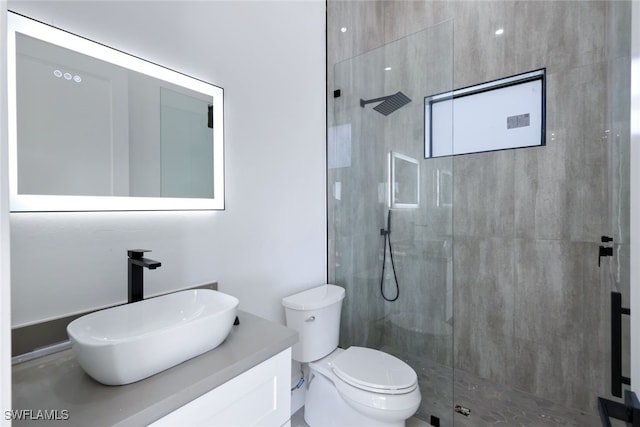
{"x":390,"y":103}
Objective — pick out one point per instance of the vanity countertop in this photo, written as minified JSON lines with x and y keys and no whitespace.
{"x":57,"y":382}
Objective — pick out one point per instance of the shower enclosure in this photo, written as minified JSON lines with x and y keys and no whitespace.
{"x":481,"y":270}
{"x":390,"y":209}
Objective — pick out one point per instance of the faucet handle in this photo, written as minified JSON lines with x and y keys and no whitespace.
{"x":137,"y":253}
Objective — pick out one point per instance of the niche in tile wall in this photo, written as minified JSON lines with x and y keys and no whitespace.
{"x":404,"y":181}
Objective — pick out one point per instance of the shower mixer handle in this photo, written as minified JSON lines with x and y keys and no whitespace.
{"x":604,"y":251}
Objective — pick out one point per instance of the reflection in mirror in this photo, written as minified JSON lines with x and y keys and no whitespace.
{"x":404,"y":186}
{"x":92,"y":128}
{"x":186,"y":153}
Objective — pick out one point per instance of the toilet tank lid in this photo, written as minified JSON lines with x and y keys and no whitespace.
{"x":314,"y":298}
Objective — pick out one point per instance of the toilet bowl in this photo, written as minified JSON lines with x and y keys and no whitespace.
{"x":356,"y":386}
{"x":342,"y":392}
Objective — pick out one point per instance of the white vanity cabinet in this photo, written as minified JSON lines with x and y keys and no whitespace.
{"x":258,"y":397}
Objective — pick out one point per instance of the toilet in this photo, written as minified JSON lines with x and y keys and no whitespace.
{"x":356,"y":386}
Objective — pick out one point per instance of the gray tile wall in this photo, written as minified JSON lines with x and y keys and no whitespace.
{"x":517,"y":253}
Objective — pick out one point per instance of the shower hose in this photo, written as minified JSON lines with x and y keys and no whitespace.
{"x":387,"y":238}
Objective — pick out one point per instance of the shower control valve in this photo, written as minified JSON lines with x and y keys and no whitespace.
{"x":604,"y":252}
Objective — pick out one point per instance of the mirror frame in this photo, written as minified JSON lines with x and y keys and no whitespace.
{"x":17,"y":23}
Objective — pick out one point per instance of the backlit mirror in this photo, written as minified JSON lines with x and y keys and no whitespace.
{"x":92,"y":128}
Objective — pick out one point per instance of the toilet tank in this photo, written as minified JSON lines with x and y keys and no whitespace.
{"x":315,"y":314}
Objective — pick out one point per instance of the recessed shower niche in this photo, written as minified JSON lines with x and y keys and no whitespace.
{"x":404,"y":181}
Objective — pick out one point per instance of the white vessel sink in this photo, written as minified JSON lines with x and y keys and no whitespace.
{"x":124,"y":344}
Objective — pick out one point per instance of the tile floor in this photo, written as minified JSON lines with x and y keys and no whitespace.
{"x":493,"y":405}
{"x":490,"y":404}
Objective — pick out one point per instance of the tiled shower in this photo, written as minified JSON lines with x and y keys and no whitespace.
{"x":497,"y":267}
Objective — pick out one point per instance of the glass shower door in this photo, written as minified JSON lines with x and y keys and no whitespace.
{"x":616,"y":243}
{"x":390,"y":209}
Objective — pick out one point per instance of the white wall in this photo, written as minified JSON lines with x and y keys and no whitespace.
{"x":635,"y":198}
{"x":5,"y":278}
{"x":271,"y":240}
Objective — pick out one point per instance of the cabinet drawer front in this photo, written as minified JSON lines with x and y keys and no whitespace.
{"x":258,"y":397}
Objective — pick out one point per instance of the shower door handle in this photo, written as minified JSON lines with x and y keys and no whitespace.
{"x":617,"y":379}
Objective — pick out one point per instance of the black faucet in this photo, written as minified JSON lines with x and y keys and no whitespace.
{"x":135,"y":264}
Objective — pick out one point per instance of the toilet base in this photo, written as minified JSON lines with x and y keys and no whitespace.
{"x":324,"y":407}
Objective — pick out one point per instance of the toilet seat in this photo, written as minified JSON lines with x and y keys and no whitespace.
{"x":382,"y":403}
{"x":373,"y":370}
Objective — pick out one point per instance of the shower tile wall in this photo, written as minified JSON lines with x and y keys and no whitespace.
{"x":530,"y":304}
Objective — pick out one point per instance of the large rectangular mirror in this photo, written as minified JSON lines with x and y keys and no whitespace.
{"x":94,"y":129}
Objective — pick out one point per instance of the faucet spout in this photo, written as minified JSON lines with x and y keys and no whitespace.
{"x":135,"y":265}
{"x":145,"y":262}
